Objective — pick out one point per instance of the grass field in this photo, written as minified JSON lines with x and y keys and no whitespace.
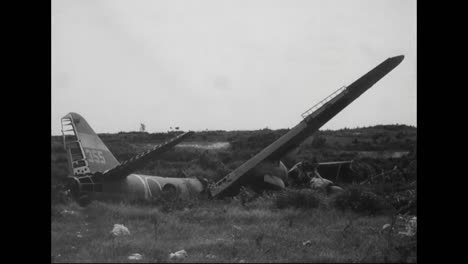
{"x":228,"y":230}
{"x":223,"y":231}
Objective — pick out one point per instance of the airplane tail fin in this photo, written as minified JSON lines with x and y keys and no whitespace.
{"x":85,"y":150}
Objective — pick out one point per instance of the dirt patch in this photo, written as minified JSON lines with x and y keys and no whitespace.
{"x":205,"y":145}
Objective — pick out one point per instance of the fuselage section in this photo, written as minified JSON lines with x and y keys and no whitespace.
{"x":138,"y":186}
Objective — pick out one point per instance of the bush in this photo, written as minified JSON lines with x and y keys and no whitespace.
{"x":359,"y":200}
{"x":319,"y":142}
{"x":209,"y":160}
{"x":59,"y":174}
{"x":305,"y":199}
{"x":59,"y":194}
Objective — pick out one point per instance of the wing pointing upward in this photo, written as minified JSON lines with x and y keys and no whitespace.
{"x":127,"y":167}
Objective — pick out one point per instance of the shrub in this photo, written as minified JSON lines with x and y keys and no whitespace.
{"x":305,"y":199}
{"x":59,"y":194}
{"x":359,"y":200}
{"x":196,"y":171}
{"x":209,"y":160}
{"x":59,"y":174}
{"x":178,"y":154}
{"x":319,"y":142}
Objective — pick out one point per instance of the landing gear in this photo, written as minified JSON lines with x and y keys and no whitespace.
{"x":81,"y":198}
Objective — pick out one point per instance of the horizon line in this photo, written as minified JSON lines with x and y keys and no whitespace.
{"x":265,"y":128}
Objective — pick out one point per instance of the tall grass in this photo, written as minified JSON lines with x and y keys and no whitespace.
{"x":305,"y":199}
{"x":361,"y":200}
{"x":222,"y":231}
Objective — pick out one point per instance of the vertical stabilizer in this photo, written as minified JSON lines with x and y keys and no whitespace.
{"x":85,"y":150}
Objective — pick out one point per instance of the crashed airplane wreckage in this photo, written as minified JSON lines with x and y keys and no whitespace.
{"x":98,"y":175}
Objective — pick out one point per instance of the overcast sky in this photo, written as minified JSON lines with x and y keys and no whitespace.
{"x":229,"y":65}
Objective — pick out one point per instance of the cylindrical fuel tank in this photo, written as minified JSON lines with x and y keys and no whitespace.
{"x":136,"y":186}
{"x":147,"y":187}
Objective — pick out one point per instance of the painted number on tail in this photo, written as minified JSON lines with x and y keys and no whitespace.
{"x":95,"y":156}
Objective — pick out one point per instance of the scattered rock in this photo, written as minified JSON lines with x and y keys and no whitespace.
{"x":181,"y":254}
{"x":385,"y":227}
{"x":68,"y":212}
{"x":135,"y":256}
{"x":120,"y":230}
{"x":79,"y":235}
{"x":411,"y":227}
{"x":307,"y":243}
